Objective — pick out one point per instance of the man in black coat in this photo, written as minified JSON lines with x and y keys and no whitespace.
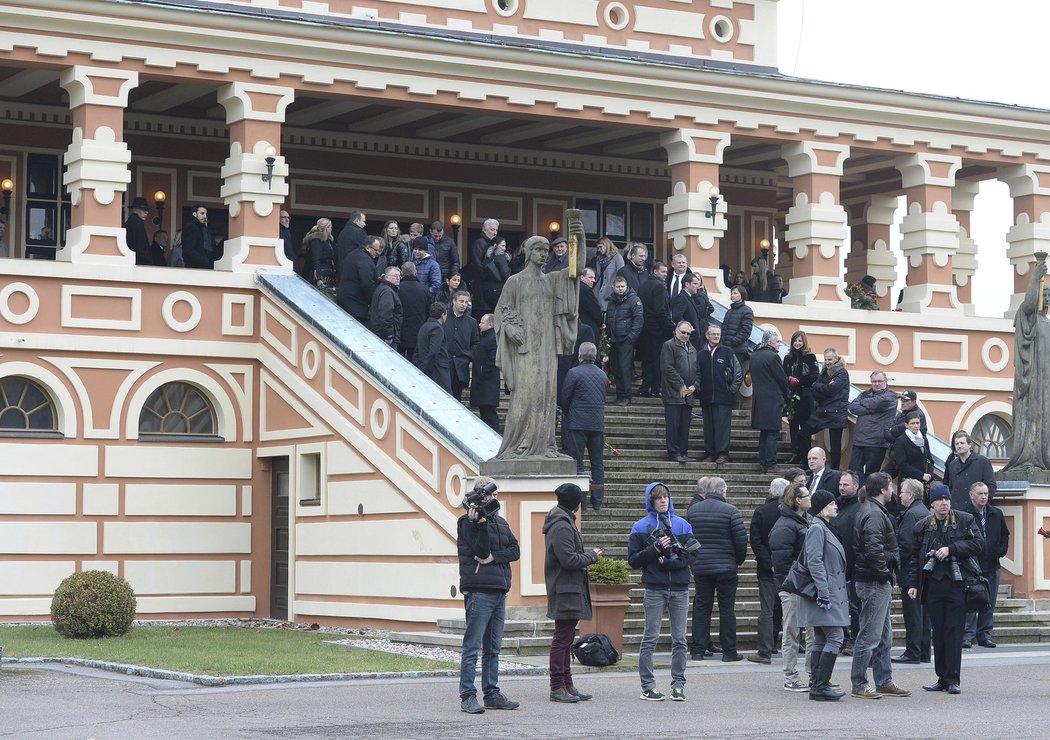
{"x":284,"y":233}
{"x":917,"y":630}
{"x":842,"y":526}
{"x":996,"y":544}
{"x":415,"y":307}
{"x":385,"y":313}
{"x":357,"y":278}
{"x":351,"y":238}
{"x":820,"y":477}
{"x":683,"y":308}
{"x":590,"y":309}
{"x":461,"y":332}
{"x":565,"y":364}
{"x":583,"y":399}
{"x":623,"y":324}
{"x":484,"y":383}
{"x":432,"y":349}
{"x":762,"y":522}
{"x":635,"y":269}
{"x":720,"y":378}
{"x":558,"y":259}
{"x":444,"y":251}
{"x":965,"y":468}
{"x":135,"y":231}
{"x":720,"y":529}
{"x":656,"y":327}
{"x":198,"y":244}
{"x":769,"y":387}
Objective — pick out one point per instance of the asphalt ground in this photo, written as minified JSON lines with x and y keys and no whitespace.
{"x":1006,"y":694}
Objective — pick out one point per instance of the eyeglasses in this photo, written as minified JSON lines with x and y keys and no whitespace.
{"x":683,"y":331}
{"x":803,"y":495}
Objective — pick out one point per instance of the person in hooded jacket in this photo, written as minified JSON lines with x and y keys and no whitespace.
{"x":665,"y":576}
{"x":568,"y":588}
{"x":830,"y":397}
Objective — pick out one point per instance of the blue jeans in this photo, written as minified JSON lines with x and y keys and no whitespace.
{"x":676,"y":604}
{"x":486,"y":613}
{"x":875,"y":636}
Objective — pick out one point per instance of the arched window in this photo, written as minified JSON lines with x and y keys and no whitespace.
{"x":991,"y":437}
{"x":177,"y":409}
{"x":26,"y":408}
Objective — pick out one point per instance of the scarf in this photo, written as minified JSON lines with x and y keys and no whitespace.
{"x":917,"y":439}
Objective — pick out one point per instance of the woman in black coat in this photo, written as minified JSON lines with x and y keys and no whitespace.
{"x":320,"y":255}
{"x":737,"y":325}
{"x":910,"y":454}
{"x":830,"y":398}
{"x":800,"y":365}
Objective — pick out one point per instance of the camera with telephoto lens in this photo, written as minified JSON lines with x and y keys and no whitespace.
{"x":674,"y":550}
{"x":476,"y":500}
{"x":931,"y":562}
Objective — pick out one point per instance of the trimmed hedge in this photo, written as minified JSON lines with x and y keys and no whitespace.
{"x":93,"y":603}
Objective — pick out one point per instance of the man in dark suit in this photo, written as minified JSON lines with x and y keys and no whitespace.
{"x":996,"y":544}
{"x":683,"y":308}
{"x":461,"y":333}
{"x":820,"y":477}
{"x":350,"y":238}
{"x":358,"y":277}
{"x":917,"y":630}
{"x":675,"y":279}
{"x":432,"y":349}
{"x":415,"y":308}
{"x":484,"y":382}
{"x":590,"y":309}
{"x":635,"y":271}
{"x":656,"y":327}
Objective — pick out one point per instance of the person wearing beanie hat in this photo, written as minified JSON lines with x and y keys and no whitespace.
{"x":828,"y":614}
{"x":568,"y":588}
{"x":428,"y":272}
{"x":955,"y":539}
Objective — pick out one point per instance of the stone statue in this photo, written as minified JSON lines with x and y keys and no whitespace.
{"x":1030,"y":449}
{"x":535,"y":321}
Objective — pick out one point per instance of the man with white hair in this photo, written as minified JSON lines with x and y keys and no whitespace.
{"x":762,"y":522}
{"x":770,"y":390}
{"x":917,"y":630}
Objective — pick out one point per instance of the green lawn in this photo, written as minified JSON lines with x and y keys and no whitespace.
{"x":213,"y":651}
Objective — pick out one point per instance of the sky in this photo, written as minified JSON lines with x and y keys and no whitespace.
{"x":959,"y":48}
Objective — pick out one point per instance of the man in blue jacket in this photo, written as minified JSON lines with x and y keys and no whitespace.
{"x":583,"y":397}
{"x":665,"y":574}
{"x":720,"y":377}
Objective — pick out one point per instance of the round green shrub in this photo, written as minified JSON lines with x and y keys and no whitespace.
{"x":93,"y":603}
{"x":609,"y":570}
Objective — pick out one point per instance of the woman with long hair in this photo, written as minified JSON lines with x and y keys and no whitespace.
{"x":317,"y":246}
{"x":396,"y":250}
{"x":800,"y":364}
{"x":449,"y":286}
{"x":606,"y":262}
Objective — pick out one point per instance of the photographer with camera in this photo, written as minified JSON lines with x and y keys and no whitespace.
{"x":661,"y":544}
{"x":948,"y":540}
{"x":486,"y":547}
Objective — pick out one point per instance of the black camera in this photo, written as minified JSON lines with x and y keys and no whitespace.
{"x":931,"y":562}
{"x":674,"y":550}
{"x":476,"y":500}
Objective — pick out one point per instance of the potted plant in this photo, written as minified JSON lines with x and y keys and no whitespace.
{"x":610,"y":580}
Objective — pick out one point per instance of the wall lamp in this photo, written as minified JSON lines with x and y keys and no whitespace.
{"x":457,"y":221}
{"x":159,"y":199}
{"x":271,"y":159}
{"x":714,"y":203}
{"x":554,"y":228}
{"x":7,"y":186}
{"x":764,"y":246}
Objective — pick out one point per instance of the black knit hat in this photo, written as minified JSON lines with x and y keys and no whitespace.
{"x":569,"y":496}
{"x":819,"y":501}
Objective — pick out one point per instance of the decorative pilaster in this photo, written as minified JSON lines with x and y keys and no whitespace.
{"x":929,"y":232}
{"x":97,"y":165}
{"x":694,"y":157}
{"x":870,"y":222}
{"x":254,"y":114}
{"x":1030,"y":189}
{"x":816,"y":223}
{"x":964,"y":264}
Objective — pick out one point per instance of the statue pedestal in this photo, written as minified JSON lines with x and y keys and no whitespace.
{"x":541,"y":466}
{"x":1024,"y":497}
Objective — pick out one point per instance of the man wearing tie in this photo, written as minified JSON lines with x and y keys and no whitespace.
{"x":679,"y":271}
{"x":996,"y":543}
{"x":820,"y":477}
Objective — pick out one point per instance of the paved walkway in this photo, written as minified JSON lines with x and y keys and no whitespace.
{"x":1006,"y":693}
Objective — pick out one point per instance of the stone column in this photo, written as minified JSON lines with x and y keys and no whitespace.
{"x":816,"y":223}
{"x":694,"y":156}
{"x":964,"y":264}
{"x":254,"y":114}
{"x":1030,"y":189}
{"x":870,"y":222}
{"x":97,"y":165}
{"x":929,"y":232}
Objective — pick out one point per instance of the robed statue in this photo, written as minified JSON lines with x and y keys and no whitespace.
{"x":535,"y":321}
{"x":1030,"y":448}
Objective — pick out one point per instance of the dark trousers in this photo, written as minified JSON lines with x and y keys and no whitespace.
{"x":717,"y":420}
{"x":866,"y":460}
{"x":489,"y":416}
{"x":649,"y":346}
{"x":703,"y":602}
{"x":834,"y":446}
{"x":854,"y":610}
{"x":979,"y":624}
{"x":458,"y":386}
{"x":676,"y":427}
{"x":561,"y":653}
{"x":767,"y":447}
{"x":917,"y":637}
{"x":946,"y":604}
{"x":767,"y":602}
{"x":594,"y":443}
{"x":621,"y":357}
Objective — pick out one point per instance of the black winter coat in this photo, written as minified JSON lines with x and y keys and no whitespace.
{"x":909,"y":461}
{"x":322,"y":262}
{"x":842,"y":526}
{"x":484,"y":383}
{"x":357,"y":281}
{"x":137,"y":239}
{"x":348,"y":241}
{"x":804,"y":369}
{"x":719,"y":376}
{"x":656,"y":320}
{"x":461,"y":333}
{"x":415,"y":308}
{"x":964,"y":540}
{"x":565,"y":567}
{"x":762,"y":522}
{"x":786,"y":540}
{"x":897,"y":427}
{"x":623,"y":317}
{"x":492,"y":537}
{"x":446,"y":253}
{"x":632,"y":274}
{"x":959,"y":476}
{"x":590,"y":309}
{"x":736,"y":327}
{"x":909,"y":541}
{"x":583,"y":395}
{"x":683,"y":308}
{"x":875,"y":544}
{"x":830,"y":394}
{"x":198,"y":245}
{"x":996,"y":536}
{"x":432,"y":354}
{"x":384,"y":313}
{"x":719,"y":527}
{"x":769,"y":388}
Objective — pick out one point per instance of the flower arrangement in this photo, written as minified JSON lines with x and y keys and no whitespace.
{"x":861,"y":297}
{"x":603,"y":354}
{"x":609,"y":449}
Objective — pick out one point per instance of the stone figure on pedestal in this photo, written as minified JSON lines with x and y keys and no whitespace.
{"x":1030,"y":448}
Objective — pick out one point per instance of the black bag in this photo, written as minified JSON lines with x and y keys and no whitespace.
{"x":799,"y":581}
{"x":595,"y":650}
{"x":977,"y":595}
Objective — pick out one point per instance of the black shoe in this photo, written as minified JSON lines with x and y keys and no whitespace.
{"x":937,"y":685}
{"x":953,"y":688}
{"x":470,"y":705}
{"x":562,"y":696}
{"x":987,"y":644}
{"x":966,"y":644}
{"x":925,"y":660}
{"x":499,"y":701}
{"x":579,"y":694}
{"x":696,"y":656}
{"x":731,"y":657}
{"x":905,"y":658}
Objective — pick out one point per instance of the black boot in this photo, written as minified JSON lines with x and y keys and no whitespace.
{"x":819,"y":690}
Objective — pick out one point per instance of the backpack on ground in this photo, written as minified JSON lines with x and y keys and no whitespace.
{"x":595,"y":650}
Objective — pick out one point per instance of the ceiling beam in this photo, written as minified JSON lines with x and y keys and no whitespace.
{"x":26,"y":81}
{"x":323,"y":111}
{"x":391,"y":119}
{"x":587,"y":138}
{"x":172,"y":97}
{"x":526,"y":132}
{"x":456,"y":126}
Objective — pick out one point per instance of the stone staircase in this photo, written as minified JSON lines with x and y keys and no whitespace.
{"x":637,"y":432}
